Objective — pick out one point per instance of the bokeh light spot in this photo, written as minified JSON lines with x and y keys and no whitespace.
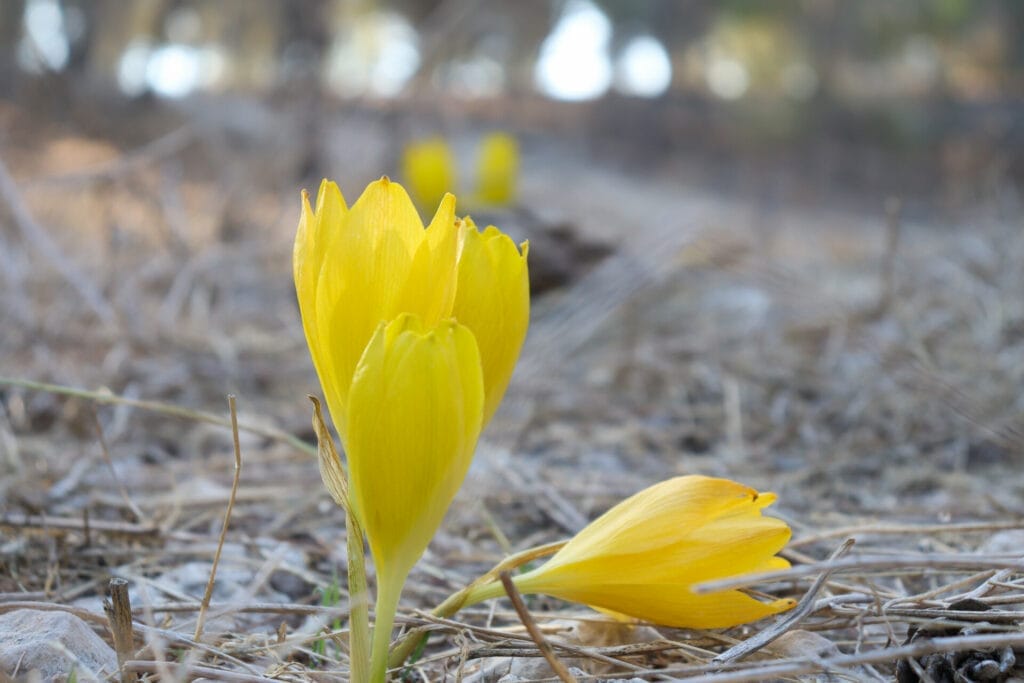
{"x":574,"y":62}
{"x":644,"y":68}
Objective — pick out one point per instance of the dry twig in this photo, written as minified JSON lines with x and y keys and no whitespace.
{"x":866,"y":563}
{"x":806,"y":607}
{"x":119,"y":618}
{"x":205,"y":604}
{"x":106,"y":397}
{"x":531,"y":627}
{"x":136,"y":512}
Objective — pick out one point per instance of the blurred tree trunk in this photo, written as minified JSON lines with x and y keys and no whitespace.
{"x":456,"y":28}
{"x":530,"y":25}
{"x":115,"y":24}
{"x":10,"y":34}
{"x":80,"y":45}
{"x":306,"y":38}
{"x":251,"y":35}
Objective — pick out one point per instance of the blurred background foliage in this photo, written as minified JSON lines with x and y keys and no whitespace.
{"x":836,"y":87}
{"x":788,"y":50}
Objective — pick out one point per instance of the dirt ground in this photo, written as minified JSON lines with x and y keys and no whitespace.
{"x":863,"y":364}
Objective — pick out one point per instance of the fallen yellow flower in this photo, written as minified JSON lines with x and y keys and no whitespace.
{"x":429,"y":168}
{"x":641,"y":558}
{"x":355,"y":268}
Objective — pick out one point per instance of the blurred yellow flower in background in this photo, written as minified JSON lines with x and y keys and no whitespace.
{"x":641,"y":558}
{"x":497,"y":169}
{"x":428,"y":167}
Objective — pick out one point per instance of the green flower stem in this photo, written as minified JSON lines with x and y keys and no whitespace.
{"x":475,"y":592}
{"x":359,"y":603}
{"x":388,"y":593}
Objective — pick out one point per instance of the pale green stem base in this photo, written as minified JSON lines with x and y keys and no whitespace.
{"x":388,"y":594}
{"x":359,"y":604}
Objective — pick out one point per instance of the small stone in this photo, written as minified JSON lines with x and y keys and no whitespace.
{"x":515,"y":670}
{"x":803,"y":644}
{"x":603,"y":633}
{"x":54,"y":644}
{"x":290,"y":584}
{"x":1008,"y":542}
{"x":986,"y":670}
{"x":532,"y":669}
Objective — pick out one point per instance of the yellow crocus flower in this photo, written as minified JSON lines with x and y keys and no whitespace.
{"x":414,"y":333}
{"x":428,"y":166}
{"x":497,"y":169}
{"x":414,"y":415}
{"x":415,"y":411}
{"x":355,"y":268}
{"x":642,"y":557}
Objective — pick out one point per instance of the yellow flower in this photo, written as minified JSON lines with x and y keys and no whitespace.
{"x":497,"y":169}
{"x":415,"y":411}
{"x":355,"y":268}
{"x":429,"y":169}
{"x":493,"y":299}
{"x":641,"y":558}
{"x":414,"y":334}
{"x":414,"y":416}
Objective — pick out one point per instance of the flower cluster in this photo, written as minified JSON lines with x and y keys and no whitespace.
{"x":414,"y":332}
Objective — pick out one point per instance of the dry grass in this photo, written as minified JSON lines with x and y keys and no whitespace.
{"x":877,"y":391}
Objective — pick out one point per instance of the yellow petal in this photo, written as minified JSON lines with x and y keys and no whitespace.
{"x":493,"y":300}
{"x":429,"y":169}
{"x":384,"y":210}
{"x":669,"y":513}
{"x":674,"y":605}
{"x":430,"y":288}
{"x":691,"y":560}
{"x":497,"y":169}
{"x":414,"y":416}
{"x":315,"y":230}
{"x":366,"y":267}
